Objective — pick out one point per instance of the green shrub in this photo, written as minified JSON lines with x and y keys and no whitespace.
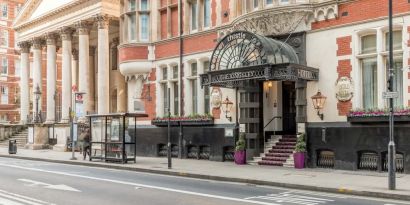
{"x":240,"y":144}
{"x":300,"y":144}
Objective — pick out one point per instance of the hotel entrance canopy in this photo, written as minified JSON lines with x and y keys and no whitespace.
{"x":242,"y":56}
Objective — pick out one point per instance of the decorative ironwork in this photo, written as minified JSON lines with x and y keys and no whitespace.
{"x":368,"y":161}
{"x":326,"y":159}
{"x":399,"y":162}
{"x":244,"y":49}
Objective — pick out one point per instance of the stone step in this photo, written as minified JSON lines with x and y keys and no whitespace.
{"x":290,"y":151}
{"x":279,"y":159}
{"x":270,"y":163}
{"x":283,"y":147}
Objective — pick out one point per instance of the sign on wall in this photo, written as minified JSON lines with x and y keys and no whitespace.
{"x":344,"y":89}
{"x":216,"y":98}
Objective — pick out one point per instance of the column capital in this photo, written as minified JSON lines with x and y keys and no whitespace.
{"x":37,"y":43}
{"x":102,"y":21}
{"x":24,"y":46}
{"x":51,"y":38}
{"x":83,"y":27}
{"x":66,"y":33}
{"x":74,"y":52}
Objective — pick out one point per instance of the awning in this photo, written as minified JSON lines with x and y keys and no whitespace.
{"x":242,"y":56}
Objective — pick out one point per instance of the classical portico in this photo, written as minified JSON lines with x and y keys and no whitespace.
{"x":80,"y":31}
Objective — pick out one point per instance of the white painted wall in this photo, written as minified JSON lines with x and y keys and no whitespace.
{"x":321,"y":53}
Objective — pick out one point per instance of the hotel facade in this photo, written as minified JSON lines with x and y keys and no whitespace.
{"x":228,"y":66}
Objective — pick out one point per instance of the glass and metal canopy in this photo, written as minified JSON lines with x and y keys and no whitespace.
{"x":242,"y":55}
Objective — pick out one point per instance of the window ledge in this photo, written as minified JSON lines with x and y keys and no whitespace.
{"x":377,"y":119}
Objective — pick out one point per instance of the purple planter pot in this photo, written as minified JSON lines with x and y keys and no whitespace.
{"x":240,"y":157}
{"x":299,"y":159}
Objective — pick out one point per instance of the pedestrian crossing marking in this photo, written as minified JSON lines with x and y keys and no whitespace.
{"x":8,"y":198}
{"x":292,"y":198}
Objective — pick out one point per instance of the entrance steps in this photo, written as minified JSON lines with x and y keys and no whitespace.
{"x":278,"y":151}
{"x":20,"y":137}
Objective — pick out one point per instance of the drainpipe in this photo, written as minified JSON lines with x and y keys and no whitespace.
{"x":181,"y":102}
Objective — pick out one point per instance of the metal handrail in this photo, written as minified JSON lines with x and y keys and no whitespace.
{"x":264,"y":136}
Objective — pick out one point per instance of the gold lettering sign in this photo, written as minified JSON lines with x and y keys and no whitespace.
{"x":344,"y":89}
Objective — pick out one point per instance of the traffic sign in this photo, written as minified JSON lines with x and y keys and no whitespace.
{"x":387,"y":95}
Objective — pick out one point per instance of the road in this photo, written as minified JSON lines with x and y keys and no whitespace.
{"x":24,"y":182}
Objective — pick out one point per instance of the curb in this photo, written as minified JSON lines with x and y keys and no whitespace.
{"x":226,"y":179}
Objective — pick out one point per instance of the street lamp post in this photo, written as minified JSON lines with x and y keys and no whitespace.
{"x":37,"y":94}
{"x":391,"y":146}
{"x":169,"y":154}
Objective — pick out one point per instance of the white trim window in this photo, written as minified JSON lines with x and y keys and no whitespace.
{"x":4,"y":99}
{"x":4,"y":65}
{"x":373,"y":61}
{"x":4,"y":38}
{"x":17,"y":69}
{"x":194,"y":15}
{"x":175,"y":89}
{"x":207,"y":13}
{"x":132,"y":31}
{"x":207,"y":91}
{"x":144,"y":5}
{"x":194,"y":87}
{"x":255,"y":5}
{"x":269,"y":2}
{"x":4,"y":10}
{"x":131,"y":5}
{"x":144,"y":27}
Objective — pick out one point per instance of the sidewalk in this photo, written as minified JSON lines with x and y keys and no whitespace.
{"x":360,"y":183}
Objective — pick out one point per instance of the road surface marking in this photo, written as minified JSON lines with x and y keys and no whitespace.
{"x":16,"y":199}
{"x":141,"y":185}
{"x":292,"y":198}
{"x":61,"y":187}
{"x":318,"y":194}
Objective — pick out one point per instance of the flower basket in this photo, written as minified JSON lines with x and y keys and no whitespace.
{"x":197,"y":120}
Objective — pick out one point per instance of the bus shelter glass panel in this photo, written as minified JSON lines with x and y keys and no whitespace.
{"x":98,"y":130}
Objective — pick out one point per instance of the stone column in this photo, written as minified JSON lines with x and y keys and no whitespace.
{"x":92,"y":79}
{"x":37,"y":77}
{"x":51,"y":77}
{"x":66,"y":37}
{"x":103,"y":64}
{"x":24,"y":81}
{"x":83,"y":29}
{"x":74,"y":67}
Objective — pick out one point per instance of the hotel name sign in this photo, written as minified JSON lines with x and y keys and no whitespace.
{"x":291,"y":72}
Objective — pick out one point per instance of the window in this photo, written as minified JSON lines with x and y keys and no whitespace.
{"x":372,"y":69}
{"x":4,"y":38}
{"x":165,"y":89}
{"x":4,"y":95}
{"x":207,"y":13}
{"x":131,"y":5}
{"x":396,"y":40}
{"x":269,"y":2}
{"x":17,"y":67}
{"x":206,"y":66}
{"x":176,"y":98}
{"x":194,"y":86}
{"x":194,"y":16}
{"x":144,"y":32}
{"x":207,"y":104}
{"x":194,"y":69}
{"x":175,"y":72}
{"x":398,"y":78}
{"x":144,"y":5}
{"x":369,"y":81}
{"x":4,"y":66}
{"x":255,"y":4}
{"x":164,"y":73}
{"x":369,"y":44}
{"x":131,"y":27}
{"x":4,"y":10}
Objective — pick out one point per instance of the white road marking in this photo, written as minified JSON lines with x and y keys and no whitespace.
{"x":292,"y":198}
{"x":141,"y":185}
{"x":319,"y":194}
{"x":8,"y":198}
{"x":61,"y":187}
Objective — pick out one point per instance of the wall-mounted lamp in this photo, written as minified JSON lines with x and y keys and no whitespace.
{"x":270,"y":84}
{"x":226,"y":108}
{"x":318,"y":103}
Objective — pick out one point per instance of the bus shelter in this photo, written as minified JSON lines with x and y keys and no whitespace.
{"x":111,"y":139}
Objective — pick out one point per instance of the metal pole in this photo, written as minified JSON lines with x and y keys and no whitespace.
{"x":169,"y":129}
{"x":72,"y":133}
{"x":392,"y":146}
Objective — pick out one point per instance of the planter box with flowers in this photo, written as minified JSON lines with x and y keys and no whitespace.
{"x":378,"y":115}
{"x":192,"y":120}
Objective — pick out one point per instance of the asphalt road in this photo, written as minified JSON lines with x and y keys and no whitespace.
{"x":24,"y":182}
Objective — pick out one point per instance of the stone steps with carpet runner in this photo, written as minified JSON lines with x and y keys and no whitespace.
{"x":280,"y":152}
